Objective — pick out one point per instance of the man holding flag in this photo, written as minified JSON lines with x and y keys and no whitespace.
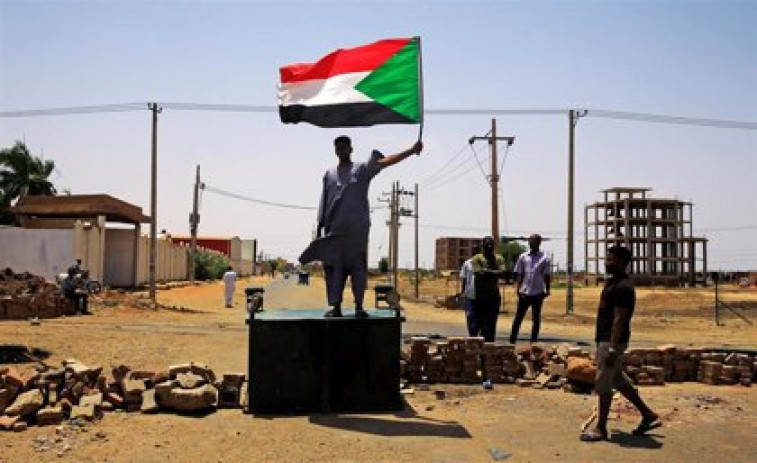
{"x":379,"y":83}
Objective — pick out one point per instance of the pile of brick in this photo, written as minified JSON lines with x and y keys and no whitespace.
{"x":23,"y":295}
{"x":471,"y":360}
{"x":48,"y":396}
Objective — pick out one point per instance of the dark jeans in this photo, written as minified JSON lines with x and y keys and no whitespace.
{"x":473,"y":323}
{"x":78,"y":301}
{"x":524,"y":302}
{"x":486,"y":311}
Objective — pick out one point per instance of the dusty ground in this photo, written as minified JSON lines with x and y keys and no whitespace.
{"x":703,"y":423}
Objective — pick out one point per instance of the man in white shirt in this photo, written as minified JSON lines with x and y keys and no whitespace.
{"x":229,"y":281}
{"x":534,"y":275}
{"x":468,"y":293}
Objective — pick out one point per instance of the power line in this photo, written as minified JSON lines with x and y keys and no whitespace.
{"x":188,"y":106}
{"x":211,"y":189}
{"x":678,"y":120}
{"x":453,"y":174}
{"x":449,"y":161}
{"x":72,"y":110}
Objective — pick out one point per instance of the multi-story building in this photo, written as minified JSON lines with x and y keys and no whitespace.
{"x":657,"y":231}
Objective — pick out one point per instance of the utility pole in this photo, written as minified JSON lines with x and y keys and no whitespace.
{"x":573,"y":116}
{"x":395,"y":233}
{"x":417,"y":274}
{"x":492,"y":138}
{"x":194,"y":220}
{"x":153,"y":202}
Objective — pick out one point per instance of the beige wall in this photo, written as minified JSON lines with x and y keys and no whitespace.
{"x":41,"y":252}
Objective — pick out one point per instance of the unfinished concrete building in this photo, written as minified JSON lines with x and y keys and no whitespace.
{"x":657,"y":231}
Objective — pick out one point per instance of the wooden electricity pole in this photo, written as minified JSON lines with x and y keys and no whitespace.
{"x":194,"y":220}
{"x":417,"y":274}
{"x":492,"y":138}
{"x":573,"y":116}
{"x":153,"y":201}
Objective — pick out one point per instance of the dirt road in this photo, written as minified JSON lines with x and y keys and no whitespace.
{"x":702,"y":423}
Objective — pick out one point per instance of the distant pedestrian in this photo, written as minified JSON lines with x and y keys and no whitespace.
{"x":613,"y":332}
{"x":229,"y":282}
{"x":488,"y":269}
{"x":468,"y":293}
{"x":534,"y":277}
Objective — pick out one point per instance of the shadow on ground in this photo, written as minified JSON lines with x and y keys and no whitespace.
{"x":10,"y":353}
{"x":404,"y":423}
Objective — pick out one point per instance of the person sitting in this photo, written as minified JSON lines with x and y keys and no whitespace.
{"x":71,"y":291}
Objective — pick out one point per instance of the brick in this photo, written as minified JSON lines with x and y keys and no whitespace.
{"x":149,"y":404}
{"x":133,"y":389}
{"x":115,"y":399}
{"x":95,"y":400}
{"x":20,"y":426}
{"x":14,"y":378}
{"x":84,"y":412}
{"x":26,"y":403}
{"x":120,"y":372}
{"x":7,"y":422}
{"x":49,"y":416}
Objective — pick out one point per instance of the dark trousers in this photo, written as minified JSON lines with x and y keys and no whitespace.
{"x":78,"y":301}
{"x":524,"y":302}
{"x":486,"y":311}
{"x":473,"y":323}
{"x":336,"y":279}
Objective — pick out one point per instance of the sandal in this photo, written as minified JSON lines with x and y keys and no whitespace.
{"x":646,"y":425}
{"x":595,"y":435}
{"x":361,"y":313}
{"x":333,"y":313}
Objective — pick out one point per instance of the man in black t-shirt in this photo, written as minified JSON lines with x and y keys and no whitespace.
{"x":613,"y":331}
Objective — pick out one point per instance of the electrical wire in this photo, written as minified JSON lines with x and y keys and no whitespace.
{"x":452,"y":175}
{"x":71,"y":110}
{"x":601,"y":113}
{"x":483,"y":172}
{"x":440,"y":169}
{"x":677,"y":120}
{"x":218,"y":191}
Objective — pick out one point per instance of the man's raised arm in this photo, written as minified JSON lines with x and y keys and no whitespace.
{"x":393,"y":159}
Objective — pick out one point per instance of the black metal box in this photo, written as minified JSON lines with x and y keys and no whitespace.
{"x":300,"y":361}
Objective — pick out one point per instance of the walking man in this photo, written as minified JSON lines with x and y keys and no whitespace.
{"x":534,"y":276}
{"x":344,"y":222}
{"x":468,"y":294}
{"x":488,"y":269}
{"x":229,"y":283}
{"x":616,"y":306}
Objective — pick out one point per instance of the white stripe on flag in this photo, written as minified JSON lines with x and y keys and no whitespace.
{"x":334,"y":90}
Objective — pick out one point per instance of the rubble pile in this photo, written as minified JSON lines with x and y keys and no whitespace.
{"x":471,"y":360}
{"x":74,"y":391}
{"x":23,"y":295}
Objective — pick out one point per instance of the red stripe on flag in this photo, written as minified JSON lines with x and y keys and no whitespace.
{"x":342,"y":61}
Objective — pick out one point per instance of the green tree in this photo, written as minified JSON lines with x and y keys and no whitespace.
{"x":22,"y":174}
{"x":510,"y":251}
{"x":383,"y":265}
{"x":209,"y":265}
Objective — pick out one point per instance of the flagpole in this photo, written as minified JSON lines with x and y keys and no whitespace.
{"x":420,"y":86}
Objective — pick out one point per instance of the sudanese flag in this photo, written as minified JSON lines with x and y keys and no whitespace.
{"x":368,"y":85}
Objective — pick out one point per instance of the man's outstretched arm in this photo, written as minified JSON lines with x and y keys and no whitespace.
{"x":393,"y":159}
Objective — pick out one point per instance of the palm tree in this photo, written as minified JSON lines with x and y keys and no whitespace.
{"x":22,"y":174}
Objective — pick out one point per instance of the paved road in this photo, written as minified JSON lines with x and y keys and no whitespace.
{"x":284,"y":293}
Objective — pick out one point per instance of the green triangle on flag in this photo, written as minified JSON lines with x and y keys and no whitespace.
{"x":395,"y":83}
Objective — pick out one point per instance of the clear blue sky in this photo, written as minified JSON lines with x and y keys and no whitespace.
{"x":684,"y":58}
